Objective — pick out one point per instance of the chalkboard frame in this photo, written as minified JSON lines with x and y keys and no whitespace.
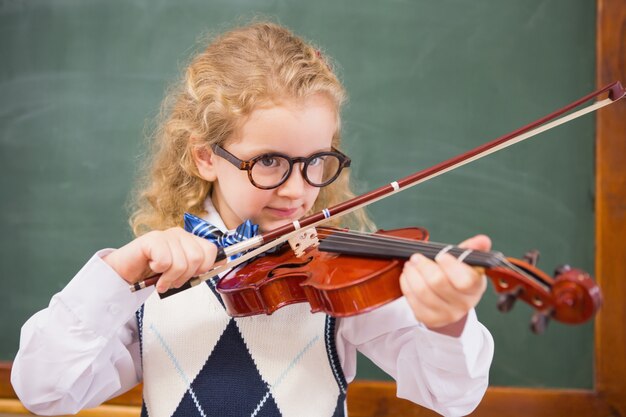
{"x":608,"y":397}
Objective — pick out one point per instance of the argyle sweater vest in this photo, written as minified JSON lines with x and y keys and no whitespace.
{"x":198,"y":361}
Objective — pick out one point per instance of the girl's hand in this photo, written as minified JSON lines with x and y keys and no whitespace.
{"x":442,"y":292}
{"x":174,"y":253}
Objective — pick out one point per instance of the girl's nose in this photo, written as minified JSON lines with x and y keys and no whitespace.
{"x":295,"y":184}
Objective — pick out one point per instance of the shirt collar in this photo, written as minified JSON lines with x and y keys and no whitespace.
{"x":213,"y":216}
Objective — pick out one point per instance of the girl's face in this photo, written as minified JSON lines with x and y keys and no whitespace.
{"x":296,"y":129}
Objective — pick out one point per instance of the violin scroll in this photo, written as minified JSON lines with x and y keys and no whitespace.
{"x":570,"y":297}
{"x":576,"y":295}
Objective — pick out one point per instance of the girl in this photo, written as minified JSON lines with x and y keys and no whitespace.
{"x":253,"y":133}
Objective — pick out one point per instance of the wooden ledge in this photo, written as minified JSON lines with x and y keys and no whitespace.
{"x":378,"y":398}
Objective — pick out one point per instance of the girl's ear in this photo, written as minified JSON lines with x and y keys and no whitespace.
{"x":204,"y":158}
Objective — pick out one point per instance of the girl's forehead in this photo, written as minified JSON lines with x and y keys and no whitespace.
{"x":296,"y":128}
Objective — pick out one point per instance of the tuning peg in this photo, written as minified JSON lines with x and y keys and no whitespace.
{"x":539,"y":322}
{"x":561,"y":270}
{"x":532,"y":256}
{"x":507,"y":300}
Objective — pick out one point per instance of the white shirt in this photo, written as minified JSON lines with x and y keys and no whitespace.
{"x":84,"y":348}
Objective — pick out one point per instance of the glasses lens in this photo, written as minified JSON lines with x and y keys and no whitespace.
{"x":269,"y":170}
{"x":322,"y":168}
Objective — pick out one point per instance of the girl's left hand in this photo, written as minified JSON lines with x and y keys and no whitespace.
{"x":442,"y":292}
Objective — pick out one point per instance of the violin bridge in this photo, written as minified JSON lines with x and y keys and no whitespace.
{"x":304,"y":240}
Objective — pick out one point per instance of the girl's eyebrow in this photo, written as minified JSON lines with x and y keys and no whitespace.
{"x":261,"y":151}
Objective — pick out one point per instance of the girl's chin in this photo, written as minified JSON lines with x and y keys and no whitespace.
{"x":268,"y":225}
{"x":272,"y":219}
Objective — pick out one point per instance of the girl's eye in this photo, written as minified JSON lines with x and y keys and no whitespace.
{"x":316,"y":161}
{"x":268,"y":161}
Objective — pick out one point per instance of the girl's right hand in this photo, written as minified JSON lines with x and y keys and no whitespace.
{"x":174,"y":253}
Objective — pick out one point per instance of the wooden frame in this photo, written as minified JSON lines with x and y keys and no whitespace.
{"x":608,"y":397}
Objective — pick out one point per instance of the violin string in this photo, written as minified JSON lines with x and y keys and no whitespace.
{"x":507,"y":264}
{"x":503,"y":262}
{"x":376,"y":241}
{"x":406,"y":245}
{"x":399,"y":243}
{"x":487,"y":262}
{"x":356,"y":238}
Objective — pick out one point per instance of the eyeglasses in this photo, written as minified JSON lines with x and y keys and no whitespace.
{"x":270,"y":170}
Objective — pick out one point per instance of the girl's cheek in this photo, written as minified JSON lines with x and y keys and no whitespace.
{"x":315,"y":192}
{"x":253,"y":203}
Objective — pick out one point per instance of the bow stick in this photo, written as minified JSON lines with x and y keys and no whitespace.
{"x":266,"y":241}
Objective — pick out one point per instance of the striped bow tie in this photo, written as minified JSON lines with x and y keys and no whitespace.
{"x":202,"y":228}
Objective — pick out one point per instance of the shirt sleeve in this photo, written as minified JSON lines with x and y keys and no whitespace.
{"x":446,"y":374}
{"x":84,"y":348}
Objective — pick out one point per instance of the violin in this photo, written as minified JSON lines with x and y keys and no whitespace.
{"x":262,"y":286}
{"x":351,"y":273}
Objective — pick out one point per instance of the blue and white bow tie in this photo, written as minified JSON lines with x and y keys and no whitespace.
{"x":202,"y":228}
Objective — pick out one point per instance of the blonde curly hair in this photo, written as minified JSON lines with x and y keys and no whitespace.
{"x":247,"y":67}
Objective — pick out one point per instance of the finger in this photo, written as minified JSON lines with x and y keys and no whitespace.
{"x":478,"y":242}
{"x":194,"y":256}
{"x":434,"y":278}
{"x":200,"y":254}
{"x":178,"y":267}
{"x":427,"y":307}
{"x":156,"y":250}
{"x":209,"y":251}
{"x":450,"y":304}
{"x":465,"y":280}
{"x":413,"y":290}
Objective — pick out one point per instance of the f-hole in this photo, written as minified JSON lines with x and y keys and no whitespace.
{"x":292,"y":265}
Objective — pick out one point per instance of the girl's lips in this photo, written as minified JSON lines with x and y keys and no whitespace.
{"x":283,"y":212}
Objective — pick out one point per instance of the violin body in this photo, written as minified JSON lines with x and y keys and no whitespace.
{"x":357,"y":273}
{"x":337,"y":284}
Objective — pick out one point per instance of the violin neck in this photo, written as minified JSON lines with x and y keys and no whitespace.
{"x":376,"y":246}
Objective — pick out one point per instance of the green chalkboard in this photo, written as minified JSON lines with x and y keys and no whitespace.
{"x":81,"y":81}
